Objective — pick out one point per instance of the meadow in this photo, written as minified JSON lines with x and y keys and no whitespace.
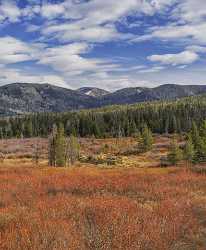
{"x":133,"y":203}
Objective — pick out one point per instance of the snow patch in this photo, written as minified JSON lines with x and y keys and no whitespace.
{"x":89,"y":93}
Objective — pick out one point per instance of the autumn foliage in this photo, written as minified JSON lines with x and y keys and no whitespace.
{"x":89,"y":208}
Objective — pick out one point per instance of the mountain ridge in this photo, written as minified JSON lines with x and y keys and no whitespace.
{"x":21,"y":98}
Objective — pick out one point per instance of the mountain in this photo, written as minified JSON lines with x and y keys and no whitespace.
{"x":91,"y":91}
{"x":21,"y":98}
{"x":162,"y":92}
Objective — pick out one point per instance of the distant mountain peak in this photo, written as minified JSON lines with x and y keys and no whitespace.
{"x":92,"y":91}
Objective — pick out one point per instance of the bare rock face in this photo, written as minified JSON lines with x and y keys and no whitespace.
{"x":21,"y":98}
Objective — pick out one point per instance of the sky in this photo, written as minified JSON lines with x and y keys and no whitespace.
{"x":108,"y":44}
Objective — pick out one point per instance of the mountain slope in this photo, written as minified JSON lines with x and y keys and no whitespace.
{"x":20,"y":98}
{"x":163,"y":92}
{"x":91,"y":91}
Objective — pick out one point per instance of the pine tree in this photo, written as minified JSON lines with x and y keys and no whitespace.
{"x":175,"y":153}
{"x":203,"y":129}
{"x":189,"y":150}
{"x":200,"y":154}
{"x":73,"y":148}
{"x":146,"y":140}
{"x":36,"y":152}
{"x":52,"y":146}
{"x":195,"y":136}
{"x":60,"y":147}
{"x":28,"y":129}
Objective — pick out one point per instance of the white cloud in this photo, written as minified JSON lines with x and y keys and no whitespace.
{"x":194,"y":32}
{"x":8,"y":75}
{"x":79,"y":32}
{"x":10,"y":11}
{"x":93,"y":21}
{"x":69,"y":60}
{"x":185,"y":57}
{"x":77,"y":26}
{"x":51,"y":11}
{"x":152,"y":69}
{"x":196,"y":48}
{"x":192,"y":11}
{"x":13,"y":50}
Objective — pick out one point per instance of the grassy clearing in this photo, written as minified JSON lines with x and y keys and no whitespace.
{"x":101,"y":152}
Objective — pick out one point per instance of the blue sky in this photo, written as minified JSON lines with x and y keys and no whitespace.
{"x":108,"y":44}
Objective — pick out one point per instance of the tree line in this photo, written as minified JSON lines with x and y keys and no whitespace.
{"x":194,"y":150}
{"x":113,"y":121}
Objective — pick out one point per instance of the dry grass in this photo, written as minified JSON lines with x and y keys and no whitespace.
{"x":21,"y":151}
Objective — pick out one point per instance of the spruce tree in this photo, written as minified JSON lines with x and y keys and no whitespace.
{"x":203,"y":129}
{"x":200,"y":151}
{"x":36,"y":152}
{"x":52,"y":147}
{"x":195,"y":136}
{"x":189,"y":150}
{"x":60,"y":147}
{"x":175,"y":153}
{"x":73,"y":148}
{"x":146,"y":140}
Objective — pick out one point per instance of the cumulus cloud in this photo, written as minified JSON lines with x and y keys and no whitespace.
{"x":94,"y":21}
{"x":196,"y":48}
{"x":190,"y":11}
{"x":185,"y":57}
{"x":9,"y":75}
{"x":13,"y":50}
{"x":69,"y":59}
{"x":9,"y":11}
{"x":171,"y":32}
{"x":71,"y":30}
{"x":186,"y":23}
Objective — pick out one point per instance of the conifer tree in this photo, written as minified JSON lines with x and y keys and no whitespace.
{"x":195,"y":136}
{"x":189,"y":150}
{"x":175,"y":153}
{"x":72,"y":152}
{"x":60,"y":147}
{"x":28,"y":129}
{"x":203,"y":130}
{"x":146,"y":139}
{"x":36,"y":152}
{"x":52,"y":147}
{"x":200,"y":151}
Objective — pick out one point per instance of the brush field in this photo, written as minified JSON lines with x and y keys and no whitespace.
{"x":111,"y":199}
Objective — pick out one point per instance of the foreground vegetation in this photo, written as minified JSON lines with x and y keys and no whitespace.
{"x":90,"y":208}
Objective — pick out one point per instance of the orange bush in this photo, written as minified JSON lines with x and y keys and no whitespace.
{"x":87,"y":208}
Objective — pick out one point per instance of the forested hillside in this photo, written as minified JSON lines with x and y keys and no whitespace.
{"x":161,"y":117}
{"x":27,"y":98}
